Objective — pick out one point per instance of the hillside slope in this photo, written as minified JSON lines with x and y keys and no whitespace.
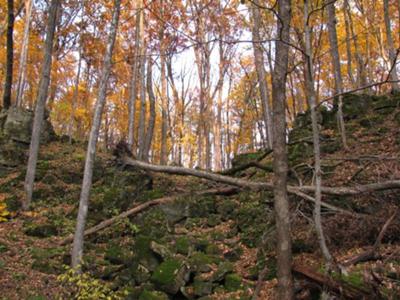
{"x":208,"y":246}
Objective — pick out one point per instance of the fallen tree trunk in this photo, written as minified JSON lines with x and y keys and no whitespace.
{"x":337,"y":286}
{"x":137,"y":209}
{"x":336,"y":191}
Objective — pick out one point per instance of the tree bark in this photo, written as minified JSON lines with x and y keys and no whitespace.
{"x":152,"y":119}
{"x":40,"y":104}
{"x":348,"y":46}
{"x":75,"y":96}
{"x":24,"y":54}
{"x":142,"y":112}
{"x":280,"y":164}
{"x":134,"y":79}
{"x":316,"y":145}
{"x":77,"y":249}
{"x":10,"y":55}
{"x":261,"y":75}
{"x":164,"y":100}
{"x":390,"y":44}
{"x":334,"y":49}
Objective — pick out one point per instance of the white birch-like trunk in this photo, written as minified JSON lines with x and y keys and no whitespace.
{"x":40,"y":104}
{"x":77,"y":248}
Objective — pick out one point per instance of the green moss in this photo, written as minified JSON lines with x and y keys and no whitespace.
{"x":40,"y":230}
{"x":227,"y":208}
{"x":143,"y":254}
{"x":118,"y":255}
{"x":213,"y":249}
{"x":182,"y":245}
{"x":233,"y":282}
{"x":224,"y":268}
{"x":153,"y":295}
{"x":213,"y":220}
{"x":200,"y":262}
{"x":201,"y":287}
{"x":170,"y":276}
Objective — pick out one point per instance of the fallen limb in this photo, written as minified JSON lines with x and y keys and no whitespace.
{"x":339,"y":287}
{"x":137,"y":209}
{"x":255,"y":185}
{"x":370,"y":254}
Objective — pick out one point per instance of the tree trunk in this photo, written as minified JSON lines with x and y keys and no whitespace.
{"x":280,"y":164}
{"x":75,"y":96}
{"x":317,"y":153}
{"x":152,"y":119}
{"x":390,"y":45}
{"x":77,"y":249}
{"x":262,"y":79}
{"x":336,"y":69}
{"x":348,"y":46}
{"x":142,"y":112}
{"x":361,"y":77}
{"x":134,"y":79}
{"x":10,"y":55}
{"x":40,"y":104}
{"x":24,"y":54}
{"x":164,"y":108}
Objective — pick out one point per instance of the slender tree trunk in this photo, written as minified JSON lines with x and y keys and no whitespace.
{"x":142,"y":114}
{"x":152,"y":119}
{"x":164,"y":107}
{"x":24,"y":54}
{"x":77,"y":248}
{"x":262,"y":79}
{"x":134,"y":78}
{"x":10,"y":55}
{"x":75,"y":97}
{"x":218,"y":123}
{"x":280,"y":164}
{"x":310,"y":89}
{"x":40,"y":104}
{"x":348,"y":46}
{"x":390,"y":44}
{"x":336,"y":69}
{"x":361,"y":76}
{"x":164,"y":90}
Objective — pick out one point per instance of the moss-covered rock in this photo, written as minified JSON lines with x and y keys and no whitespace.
{"x":224,"y":268}
{"x":171,"y":275}
{"x":183,"y":245}
{"x":226,"y":209}
{"x":40,"y":230}
{"x":233,"y":282}
{"x":118,"y":255}
{"x":201,"y":263}
{"x":202,"y":287}
{"x":143,"y":254}
{"x":153,"y":295}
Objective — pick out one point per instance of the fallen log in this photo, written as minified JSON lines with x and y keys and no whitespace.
{"x":137,"y":209}
{"x":337,"y":286}
{"x":256,"y":185}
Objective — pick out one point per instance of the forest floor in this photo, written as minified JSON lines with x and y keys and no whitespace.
{"x":213,"y":246}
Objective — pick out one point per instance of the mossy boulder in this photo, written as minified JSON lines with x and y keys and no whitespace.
{"x":171,"y":275}
{"x":40,"y":230}
{"x":233,"y":282}
{"x":201,"y":263}
{"x":243,"y":158}
{"x":153,"y":295}
{"x":202,"y":287}
{"x":355,"y":106}
{"x":143,"y":254}
{"x":118,"y":255}
{"x":183,"y":245}
{"x":224,"y":268}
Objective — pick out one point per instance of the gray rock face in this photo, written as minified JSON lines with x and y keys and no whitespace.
{"x":15,"y":134}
